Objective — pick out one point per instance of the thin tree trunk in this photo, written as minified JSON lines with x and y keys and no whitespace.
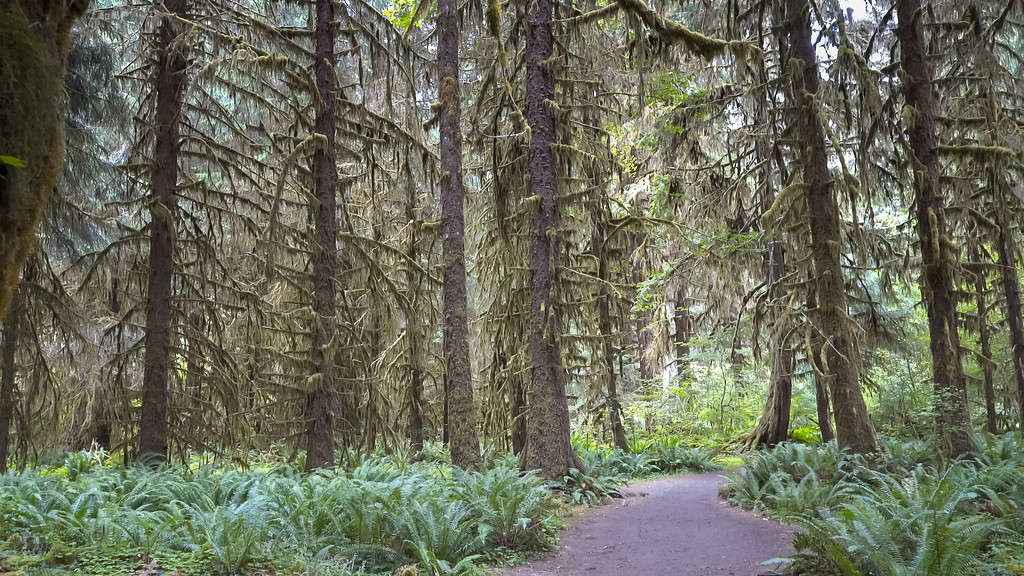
{"x":322,"y":399}
{"x":642,"y":317}
{"x":170,"y":87}
{"x":548,"y":446}
{"x":413,"y":322}
{"x":465,"y":447}
{"x":821,"y":398}
{"x":952,"y":420}
{"x":824,"y":410}
{"x":604,"y":325}
{"x":773,"y":427}
{"x":853,"y":426}
{"x":12,"y":331}
{"x":681,"y":324}
{"x":1011,"y":289}
{"x":980,"y":288}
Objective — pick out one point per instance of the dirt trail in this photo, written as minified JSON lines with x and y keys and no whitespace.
{"x":667,"y":527}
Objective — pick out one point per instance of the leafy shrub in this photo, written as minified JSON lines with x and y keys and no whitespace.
{"x":374,"y":514}
{"x":807,"y":435}
{"x":617,"y":463}
{"x":677,"y":458}
{"x":903,"y":512}
{"x":514,"y":510}
{"x":920,"y":526}
{"x":582,"y":488}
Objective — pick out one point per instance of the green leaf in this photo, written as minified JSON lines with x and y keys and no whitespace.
{"x":11,"y":161}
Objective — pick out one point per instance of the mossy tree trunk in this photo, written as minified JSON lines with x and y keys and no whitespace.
{"x":462,"y":434}
{"x":937,"y":256}
{"x":322,"y":400}
{"x":853,"y":426}
{"x":1011,"y":290}
{"x":34,"y":43}
{"x":681,"y":326}
{"x":412,"y":322}
{"x":773,"y":427}
{"x":171,"y":78}
{"x":8,"y":371}
{"x":604,"y":325}
{"x":980,"y":290}
{"x":548,"y":447}
{"x":823,"y":405}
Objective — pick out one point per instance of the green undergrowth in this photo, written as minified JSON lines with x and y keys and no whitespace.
{"x":373,"y":516}
{"x":90,"y":514}
{"x":903,"y":512}
{"x":609,"y":469}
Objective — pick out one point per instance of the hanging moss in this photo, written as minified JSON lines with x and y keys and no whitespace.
{"x":672,"y":32}
{"x":977,"y":152}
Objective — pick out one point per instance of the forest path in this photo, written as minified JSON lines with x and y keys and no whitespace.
{"x":671,"y":526}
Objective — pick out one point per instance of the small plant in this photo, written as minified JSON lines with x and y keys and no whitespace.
{"x":583,"y":489}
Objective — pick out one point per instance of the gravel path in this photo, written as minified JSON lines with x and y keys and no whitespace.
{"x":667,"y":527}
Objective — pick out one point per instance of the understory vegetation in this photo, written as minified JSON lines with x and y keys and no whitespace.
{"x":91,"y":514}
{"x":388,"y":286}
{"x":906,"y":511}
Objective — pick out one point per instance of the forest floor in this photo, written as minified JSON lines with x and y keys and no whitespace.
{"x":676,"y":526}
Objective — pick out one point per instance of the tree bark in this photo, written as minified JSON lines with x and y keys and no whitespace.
{"x":937,"y":256}
{"x":412,"y":324}
{"x":465,"y":447}
{"x":8,"y":351}
{"x":548,"y":447}
{"x":642,"y":317}
{"x":519,"y":415}
{"x":821,"y":399}
{"x":980,"y":288}
{"x":170,"y":87}
{"x":604,"y":325}
{"x":853,"y":425}
{"x":681,"y":324}
{"x":1011,"y":289}
{"x":773,"y":427}
{"x":34,"y":43}
{"x":322,"y":399}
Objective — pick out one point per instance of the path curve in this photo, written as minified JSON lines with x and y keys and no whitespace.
{"x":667,"y":527}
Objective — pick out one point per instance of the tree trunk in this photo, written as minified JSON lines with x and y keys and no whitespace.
{"x":12,"y":330}
{"x":170,"y":87}
{"x":824,"y":410}
{"x":34,"y":42}
{"x":413,"y":324}
{"x":681,"y":324}
{"x":821,"y":398}
{"x":322,"y":400}
{"x":465,"y":447}
{"x":604,"y":325}
{"x":773,"y":426}
{"x":853,"y":426}
{"x":952,"y":420}
{"x":518,"y":416}
{"x":548,"y":448}
{"x":1011,"y":288}
{"x":641,"y":317}
{"x":980,"y":288}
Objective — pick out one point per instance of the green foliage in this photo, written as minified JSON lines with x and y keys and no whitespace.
{"x":403,"y":14}
{"x":806,"y":435}
{"x":378,"y":514}
{"x":669,"y":455}
{"x":903,"y":512}
{"x":581,"y":488}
